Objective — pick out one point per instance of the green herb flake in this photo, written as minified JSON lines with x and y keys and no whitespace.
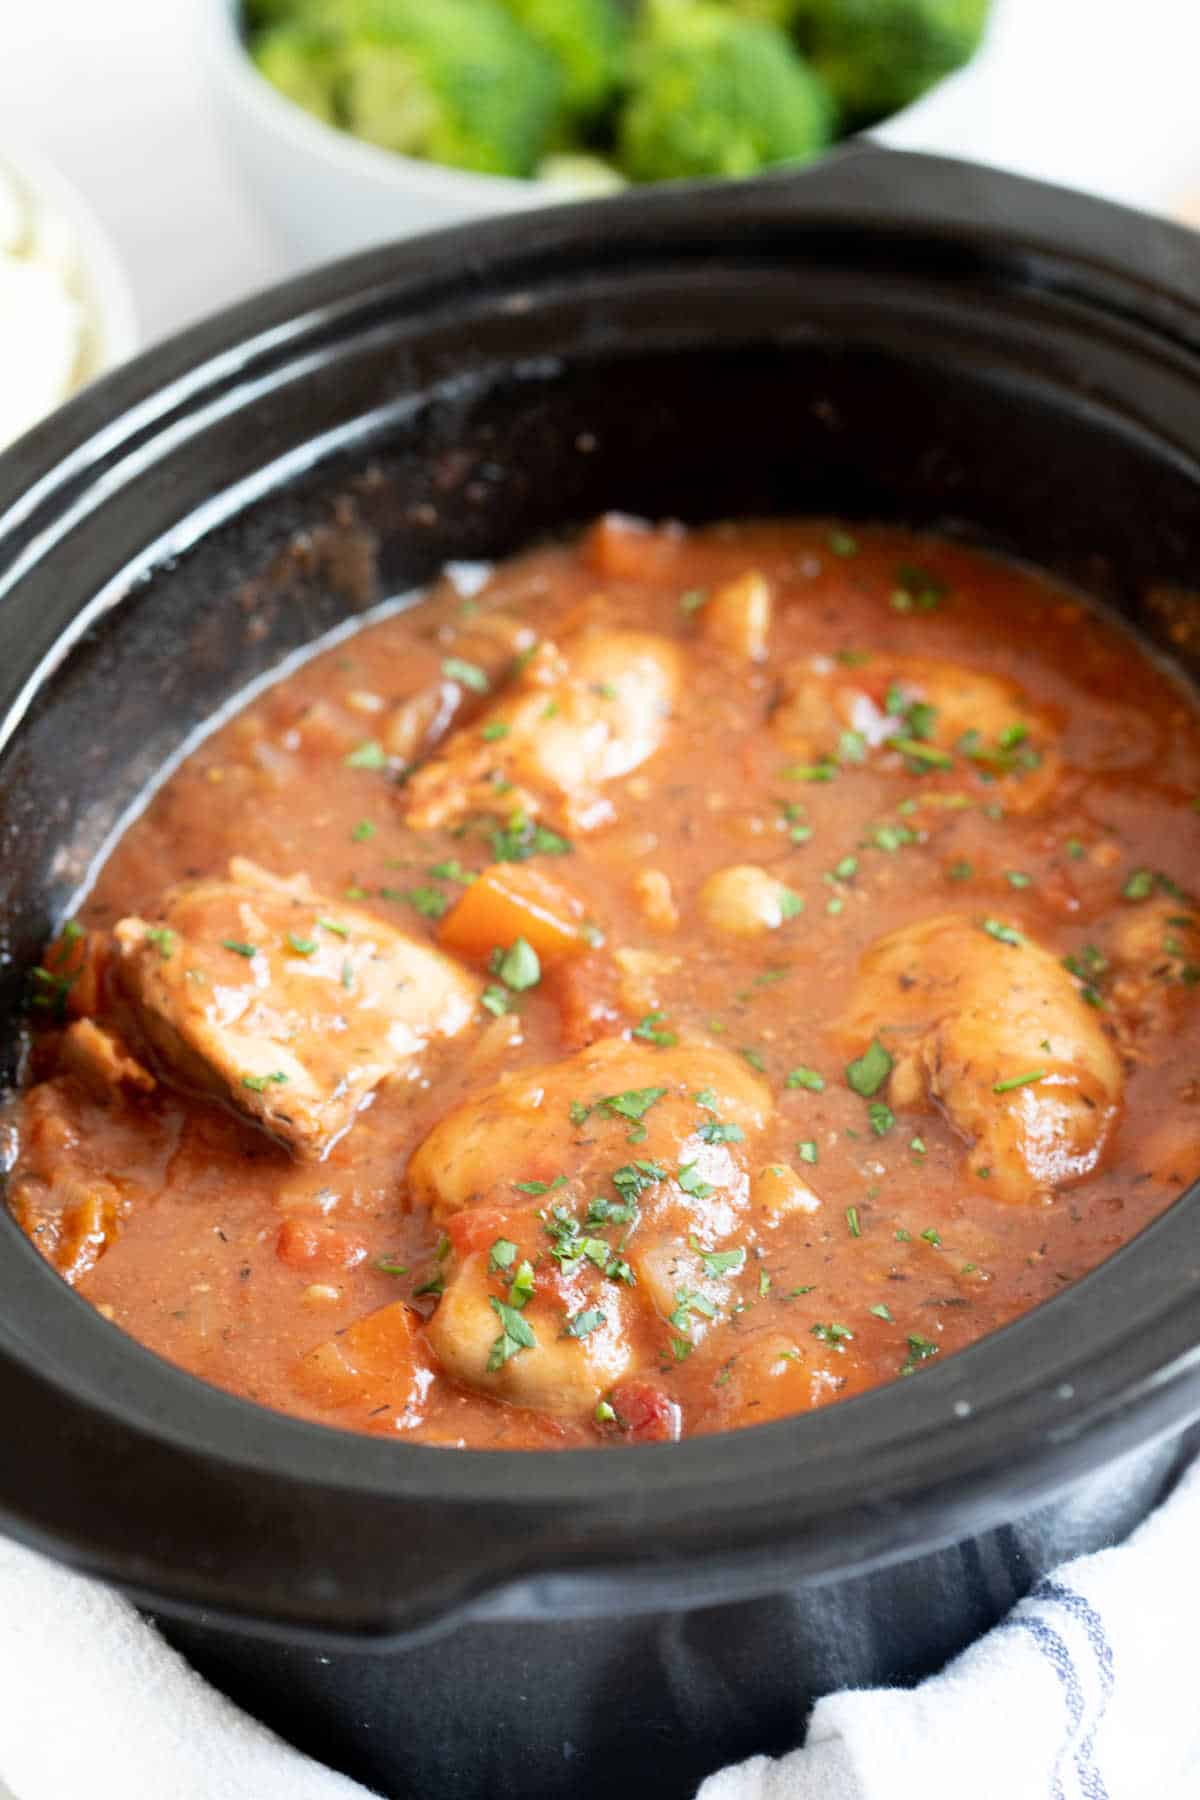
{"x":805,"y":1078}
{"x":246,"y":950}
{"x":764,"y":1284}
{"x":790,"y":906}
{"x":719,"y":1263}
{"x":1003,"y":934}
{"x":853,"y":1223}
{"x":582,"y":1324}
{"x":852,"y":747}
{"x":494,"y":730}
{"x":259,"y":1083}
{"x":521,"y":1287}
{"x":494,"y":999}
{"x":501,"y":1256}
{"x":1074,"y":849}
{"x":649,"y":1031}
{"x":370,"y":755}
{"x":1017,"y":878}
{"x":302,"y":946}
{"x":363,"y":832}
{"x":348,"y":975}
{"x":882,"y":1118}
{"x":868,"y":1072}
{"x":832,"y":1333}
{"x":842,"y":544}
{"x":342,"y":931}
{"x":753,"y":1057}
{"x":693,"y":600}
{"x":519,"y":967}
{"x":387,"y":1267}
{"x":806,"y":1149}
{"x":714,"y":1131}
{"x":1018,"y":1081}
{"x":820,"y":771}
{"x":880,"y":1311}
{"x":430,"y":902}
{"x":467,"y":674}
{"x":516,"y":1334}
{"x":917,"y":1146}
{"x":452,"y":870}
{"x":920,"y":755}
{"x":961,"y":870}
{"x":162,"y":937}
{"x":604,"y":1414}
{"x":920,"y":1349}
{"x":691,"y":1183}
{"x":932,"y":1236}
{"x":1139,"y":886}
{"x":633,"y":1104}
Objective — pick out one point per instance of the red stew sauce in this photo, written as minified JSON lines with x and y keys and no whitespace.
{"x":684,"y":981}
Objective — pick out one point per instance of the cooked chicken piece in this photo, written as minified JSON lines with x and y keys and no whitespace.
{"x":737,"y":617}
{"x":597,"y":1200}
{"x":291,"y":1007}
{"x":1153,"y":963}
{"x":478,"y":659}
{"x":101,"y":1061}
{"x":942,"y":718}
{"x":992,"y":1027}
{"x":576,"y":719}
{"x":745,"y":901}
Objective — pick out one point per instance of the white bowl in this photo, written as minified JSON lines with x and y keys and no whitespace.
{"x":327,"y":193}
{"x":72,"y":246}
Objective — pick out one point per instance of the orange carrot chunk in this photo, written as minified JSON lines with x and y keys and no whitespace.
{"x":510,"y":901}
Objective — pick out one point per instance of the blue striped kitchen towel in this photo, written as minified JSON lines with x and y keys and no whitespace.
{"x":1087,"y":1691}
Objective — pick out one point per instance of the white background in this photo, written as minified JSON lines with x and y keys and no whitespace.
{"x":1102,"y":94}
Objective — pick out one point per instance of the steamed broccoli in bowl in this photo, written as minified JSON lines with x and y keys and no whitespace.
{"x":641,"y":90}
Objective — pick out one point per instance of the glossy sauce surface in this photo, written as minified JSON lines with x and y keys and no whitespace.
{"x":859,"y":1160}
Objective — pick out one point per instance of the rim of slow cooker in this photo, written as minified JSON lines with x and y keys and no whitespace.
{"x":1117,"y":1355}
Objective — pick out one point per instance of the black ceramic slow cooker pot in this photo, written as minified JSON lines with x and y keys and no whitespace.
{"x":885,"y":336}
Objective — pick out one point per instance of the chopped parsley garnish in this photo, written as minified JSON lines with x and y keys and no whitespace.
{"x":681,"y":1348}
{"x":1003,"y":934}
{"x":754,"y":1058}
{"x":494,"y":999}
{"x":387,"y":1267}
{"x":521,"y":839}
{"x":764,"y":1284}
{"x":633,"y":1104}
{"x":577,"y":1112}
{"x":516,"y":1334}
{"x":693,"y":600}
{"x":880,"y":1311}
{"x":805,"y":1078}
{"x":714,"y":1131}
{"x":846,"y":869}
{"x":917,"y":590}
{"x":807,"y":1149}
{"x":539,"y":1187}
{"x":960,"y":870}
{"x":518,"y":967}
{"x":246,"y":950}
{"x":852,"y":747}
{"x":302,"y":946}
{"x":932,"y":1236}
{"x":521,"y":1286}
{"x":692,"y":1183}
{"x":370,"y":755}
{"x":584,"y":1323}
{"x":649,"y":1030}
{"x":853,"y":1224}
{"x":842,"y":544}
{"x":342,"y":931}
{"x":452,"y":870}
{"x":163,"y":938}
{"x":892,"y":837}
{"x":467,"y":674}
{"x":348,"y":975}
{"x":719,"y":1263}
{"x":1017,"y":878}
{"x":501,"y":1256}
{"x":1018,"y":1081}
{"x":917,"y":1146}
{"x":258,"y":1083}
{"x":1074,"y":849}
{"x":832,"y":1333}
{"x":819,"y":771}
{"x":604,"y":1414}
{"x":868,"y":1072}
{"x":1139,"y":886}
{"x":919,"y":1350}
{"x":494,"y":730}
{"x":921,"y":756}
{"x":430,"y":902}
{"x":706,"y":1097}
{"x":790,"y":904}
{"x":363,"y":832}
{"x":882,"y":1118}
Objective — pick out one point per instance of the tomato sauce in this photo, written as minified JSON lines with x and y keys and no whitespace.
{"x":894,"y":1170}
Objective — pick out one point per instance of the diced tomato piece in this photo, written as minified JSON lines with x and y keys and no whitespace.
{"x":510,"y":901}
{"x":585,"y":992}
{"x":622,"y":546}
{"x":476,"y":1228}
{"x":308,"y":1244}
{"x":646,"y":1414}
{"x":381,"y":1359}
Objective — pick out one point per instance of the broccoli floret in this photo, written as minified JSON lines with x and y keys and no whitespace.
{"x":879,"y":55}
{"x":303,"y":63}
{"x":589,"y":40}
{"x":717,"y":94}
{"x":455,"y":81}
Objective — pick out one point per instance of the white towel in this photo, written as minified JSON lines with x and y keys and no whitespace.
{"x":1087,"y":1691}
